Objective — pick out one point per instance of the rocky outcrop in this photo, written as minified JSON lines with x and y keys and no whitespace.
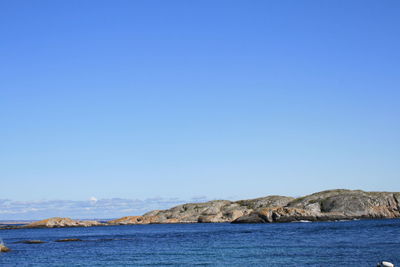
{"x":331,"y":205}
{"x":132,"y":220}
{"x":216,"y":211}
{"x":3,"y":248}
{"x":56,"y":222}
{"x":351,"y":204}
{"x":321,"y":206}
{"x":140,"y":220}
{"x":277,"y":214}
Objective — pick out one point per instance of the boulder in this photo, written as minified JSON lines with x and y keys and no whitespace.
{"x":3,"y":248}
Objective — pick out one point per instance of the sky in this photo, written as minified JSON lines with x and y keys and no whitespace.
{"x":160,"y":102}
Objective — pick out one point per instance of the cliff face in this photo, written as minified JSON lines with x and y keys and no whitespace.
{"x":321,"y":206}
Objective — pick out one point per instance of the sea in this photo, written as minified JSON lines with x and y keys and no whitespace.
{"x":343,"y":243}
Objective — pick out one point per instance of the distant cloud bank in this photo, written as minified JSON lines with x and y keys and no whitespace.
{"x":91,"y":208}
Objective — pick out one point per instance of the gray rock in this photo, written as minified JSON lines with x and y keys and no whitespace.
{"x":333,"y":205}
{"x":254,"y":217}
{"x":328,"y":205}
{"x":214,"y":211}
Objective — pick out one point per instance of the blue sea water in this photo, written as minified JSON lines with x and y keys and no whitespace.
{"x":348,"y":243}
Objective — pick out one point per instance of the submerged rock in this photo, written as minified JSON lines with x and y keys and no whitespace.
{"x":69,"y":240}
{"x":30,"y":242}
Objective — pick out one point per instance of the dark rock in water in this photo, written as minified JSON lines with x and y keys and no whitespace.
{"x":9,"y":227}
{"x":30,"y":242}
{"x":3,"y":248}
{"x":69,"y":240}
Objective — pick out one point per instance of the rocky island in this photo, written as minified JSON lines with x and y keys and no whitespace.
{"x":61,"y":222}
{"x":328,"y":205}
{"x":322,"y":206}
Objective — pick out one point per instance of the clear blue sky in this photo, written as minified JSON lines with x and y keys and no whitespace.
{"x":177,"y":99}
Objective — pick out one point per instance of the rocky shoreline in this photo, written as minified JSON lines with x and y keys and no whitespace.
{"x":328,"y":205}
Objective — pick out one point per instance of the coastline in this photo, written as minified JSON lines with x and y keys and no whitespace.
{"x":330,"y":205}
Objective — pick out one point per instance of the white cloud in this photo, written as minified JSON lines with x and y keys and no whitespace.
{"x":91,"y":208}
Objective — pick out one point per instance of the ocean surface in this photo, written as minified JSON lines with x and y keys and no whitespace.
{"x":347,"y":243}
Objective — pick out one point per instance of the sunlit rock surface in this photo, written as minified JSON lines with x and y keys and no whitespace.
{"x":322,"y":206}
{"x":61,"y":222}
